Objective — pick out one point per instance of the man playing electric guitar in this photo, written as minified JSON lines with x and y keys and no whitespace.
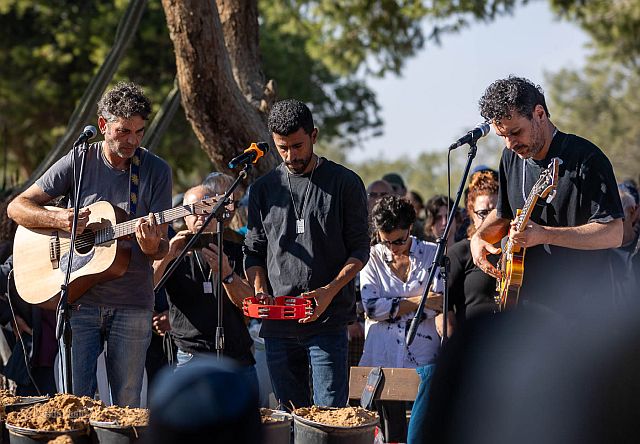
{"x":128,"y":176}
{"x":566,"y":239}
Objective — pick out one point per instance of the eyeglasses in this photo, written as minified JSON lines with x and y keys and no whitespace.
{"x":482,"y":214}
{"x":397,"y":242}
{"x":374,"y":195}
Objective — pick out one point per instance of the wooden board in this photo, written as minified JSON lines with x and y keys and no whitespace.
{"x":400,"y":384}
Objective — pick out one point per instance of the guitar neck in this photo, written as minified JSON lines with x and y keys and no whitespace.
{"x":129,"y":227}
{"x":523,"y":217}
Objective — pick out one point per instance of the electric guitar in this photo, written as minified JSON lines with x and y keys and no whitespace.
{"x":40,"y":255}
{"x":511,"y":263}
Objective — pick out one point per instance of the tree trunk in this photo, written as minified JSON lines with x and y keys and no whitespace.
{"x":218,"y":106}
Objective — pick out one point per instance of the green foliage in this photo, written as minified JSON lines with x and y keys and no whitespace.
{"x":427,"y":173}
{"x":614,"y":26}
{"x":318,"y":50}
{"x":601,"y":103}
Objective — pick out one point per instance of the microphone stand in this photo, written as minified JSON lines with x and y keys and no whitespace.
{"x":440,"y":260}
{"x":63,"y":312}
{"x":218,"y":213}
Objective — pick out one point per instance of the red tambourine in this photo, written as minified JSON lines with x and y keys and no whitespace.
{"x":283,"y":308}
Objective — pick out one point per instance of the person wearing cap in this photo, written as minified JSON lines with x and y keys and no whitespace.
{"x":397,"y":183}
{"x":307,"y":237}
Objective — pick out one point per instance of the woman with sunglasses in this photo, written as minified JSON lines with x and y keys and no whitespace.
{"x":472,"y":291}
{"x":392,"y":284}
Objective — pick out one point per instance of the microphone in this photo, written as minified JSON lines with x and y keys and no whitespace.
{"x":250,"y":155}
{"x":88,"y":133}
{"x":481,"y":130}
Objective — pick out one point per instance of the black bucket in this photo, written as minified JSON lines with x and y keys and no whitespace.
{"x":311,"y":432}
{"x":110,"y":433}
{"x":277,"y":431}
{"x":25,"y":401}
{"x":21,"y":435}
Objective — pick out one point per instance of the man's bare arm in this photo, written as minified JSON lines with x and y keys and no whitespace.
{"x":27,"y":209}
{"x":492,"y":230}
{"x":590,"y":236}
{"x":324,"y":295}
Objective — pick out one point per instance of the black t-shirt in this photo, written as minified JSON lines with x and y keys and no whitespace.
{"x":335,"y":229}
{"x":194,"y":315}
{"x":586,"y":192}
{"x":472,"y":291}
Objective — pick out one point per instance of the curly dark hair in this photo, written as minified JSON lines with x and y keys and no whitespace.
{"x":505,"y":96}
{"x":288,"y":116}
{"x":124,"y":100}
{"x":393,"y":213}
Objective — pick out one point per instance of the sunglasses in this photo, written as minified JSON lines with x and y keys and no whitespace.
{"x":373,"y":195}
{"x":482,"y":214}
{"x":397,"y":242}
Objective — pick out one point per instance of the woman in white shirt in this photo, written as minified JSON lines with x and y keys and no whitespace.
{"x":392,"y":284}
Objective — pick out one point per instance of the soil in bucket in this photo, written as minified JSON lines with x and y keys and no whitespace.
{"x":326,"y":425}
{"x":62,"y":414}
{"x":12,"y":403}
{"x":276,"y":426}
{"x":119,"y":425}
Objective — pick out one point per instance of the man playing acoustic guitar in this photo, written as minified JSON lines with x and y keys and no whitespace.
{"x":128,"y":176}
{"x":566,"y":263}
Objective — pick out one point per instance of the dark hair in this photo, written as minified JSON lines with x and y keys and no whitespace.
{"x":483,"y":183}
{"x":393,"y":213}
{"x":431,"y":209}
{"x":505,"y":96}
{"x":288,"y":116}
{"x":124,"y":100}
{"x":417,"y":197}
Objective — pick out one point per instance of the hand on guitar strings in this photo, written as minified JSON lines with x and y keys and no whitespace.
{"x":148,"y":234}
{"x":480,"y":248}
{"x":66,"y":216}
{"x":530,"y":236}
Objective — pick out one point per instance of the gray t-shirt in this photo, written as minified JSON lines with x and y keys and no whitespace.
{"x":102,"y":182}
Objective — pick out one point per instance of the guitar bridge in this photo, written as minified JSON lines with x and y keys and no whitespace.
{"x":54,"y":250}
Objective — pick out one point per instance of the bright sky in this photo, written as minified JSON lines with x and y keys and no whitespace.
{"x":436,"y":100}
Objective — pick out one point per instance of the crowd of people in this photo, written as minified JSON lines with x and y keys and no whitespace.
{"x":310,"y":229}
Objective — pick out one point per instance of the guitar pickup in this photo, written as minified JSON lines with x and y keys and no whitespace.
{"x":54,"y":250}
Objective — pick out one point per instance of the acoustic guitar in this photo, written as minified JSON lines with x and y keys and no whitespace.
{"x":511,"y":263}
{"x":40,"y":255}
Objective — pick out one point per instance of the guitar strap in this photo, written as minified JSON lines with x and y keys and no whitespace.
{"x":134,"y":181}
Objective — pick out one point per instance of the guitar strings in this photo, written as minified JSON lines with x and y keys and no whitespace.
{"x":88,"y":239}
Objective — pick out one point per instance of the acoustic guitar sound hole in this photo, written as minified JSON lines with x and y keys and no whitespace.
{"x":85,"y":242}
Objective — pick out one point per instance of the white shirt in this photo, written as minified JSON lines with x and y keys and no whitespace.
{"x":382,"y":291}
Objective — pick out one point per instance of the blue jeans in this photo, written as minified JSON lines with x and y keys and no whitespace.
{"x":183,"y":359}
{"x":292,"y":361}
{"x":416,"y":433}
{"x":127,"y":332}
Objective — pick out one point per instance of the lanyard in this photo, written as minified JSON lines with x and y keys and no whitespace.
{"x":299,"y":214}
{"x":524,"y":168}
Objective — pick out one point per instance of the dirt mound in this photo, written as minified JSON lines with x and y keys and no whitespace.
{"x":122,"y":416}
{"x":6,"y":398}
{"x":272,"y":416}
{"x":62,"y":412}
{"x":342,"y":417}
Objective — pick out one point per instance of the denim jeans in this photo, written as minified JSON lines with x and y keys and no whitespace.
{"x":127,"y":332}
{"x":183,"y":359}
{"x":295,"y":364}
{"x":417,"y":432}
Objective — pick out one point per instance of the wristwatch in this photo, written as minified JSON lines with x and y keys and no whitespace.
{"x":228,"y":279}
